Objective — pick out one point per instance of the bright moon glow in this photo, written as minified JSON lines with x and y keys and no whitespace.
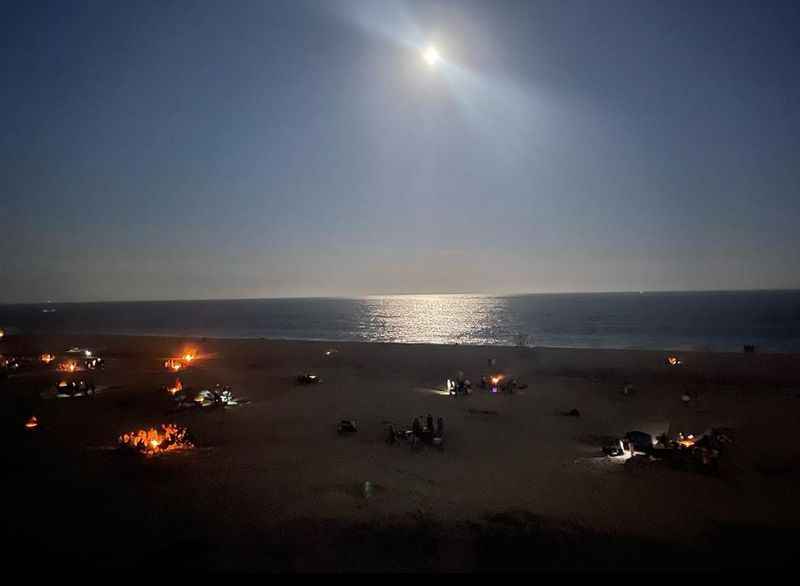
{"x":431,"y":56}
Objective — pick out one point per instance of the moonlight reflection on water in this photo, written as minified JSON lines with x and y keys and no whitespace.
{"x":436,"y":319}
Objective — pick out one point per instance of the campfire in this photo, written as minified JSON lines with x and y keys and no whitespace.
{"x":173,"y":364}
{"x":153,"y":441}
{"x":32,"y":423}
{"x":47,"y":358}
{"x":493,"y":381}
{"x":673,"y":361}
{"x":188,"y":357}
{"x":686,"y":441}
{"x":176,"y":388}
{"x":69,"y":366}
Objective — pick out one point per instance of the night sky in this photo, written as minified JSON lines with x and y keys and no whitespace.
{"x":184,"y":150}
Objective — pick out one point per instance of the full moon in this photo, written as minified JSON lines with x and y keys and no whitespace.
{"x":431,"y":56}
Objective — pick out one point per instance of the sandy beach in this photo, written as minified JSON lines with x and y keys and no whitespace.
{"x":272,"y":486}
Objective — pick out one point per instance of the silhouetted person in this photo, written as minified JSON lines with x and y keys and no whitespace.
{"x":428,"y":430}
{"x":440,"y":427}
{"x":416,"y":427}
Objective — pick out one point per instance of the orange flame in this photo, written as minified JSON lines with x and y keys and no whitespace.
{"x":47,"y":358}
{"x":173,"y":364}
{"x":188,"y":357}
{"x":69,"y":366}
{"x":176,"y":388}
{"x":32,"y":423}
{"x":673,"y":361}
{"x":152,"y":441}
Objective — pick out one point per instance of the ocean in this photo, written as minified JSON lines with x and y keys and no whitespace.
{"x":718,"y":321}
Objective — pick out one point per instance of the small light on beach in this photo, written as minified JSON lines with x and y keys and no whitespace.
{"x":47,"y":358}
{"x":32,"y":423}
{"x":2,"y":333}
{"x":673,"y":361}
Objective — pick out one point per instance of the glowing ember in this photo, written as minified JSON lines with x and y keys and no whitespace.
{"x":152,"y":441}
{"x":172,"y":364}
{"x":176,"y":388}
{"x":32,"y":423}
{"x":673,"y":361}
{"x":69,"y":366}
{"x":47,"y":358}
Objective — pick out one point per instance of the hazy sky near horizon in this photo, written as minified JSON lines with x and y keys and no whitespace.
{"x":167,"y":150}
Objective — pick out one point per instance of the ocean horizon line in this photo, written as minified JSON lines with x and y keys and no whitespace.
{"x":407,"y":295}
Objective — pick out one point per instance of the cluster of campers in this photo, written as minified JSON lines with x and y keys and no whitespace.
{"x":217,"y":396}
{"x":9,"y":365}
{"x":70,"y":363}
{"x":73,"y":389}
{"x":73,"y":360}
{"x":688,"y":452}
{"x":420,"y":434}
{"x":90,"y":360}
{"x":494,"y":383}
{"x":700,"y":452}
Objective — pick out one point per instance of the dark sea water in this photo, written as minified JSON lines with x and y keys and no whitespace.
{"x":722,"y":321}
